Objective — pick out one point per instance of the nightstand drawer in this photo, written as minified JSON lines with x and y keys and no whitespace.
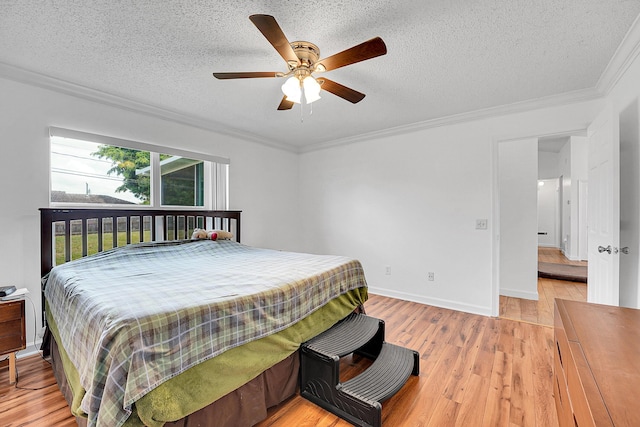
{"x":10,"y":311}
{"x":12,"y":326}
{"x":12,"y":333}
{"x":11,"y":343}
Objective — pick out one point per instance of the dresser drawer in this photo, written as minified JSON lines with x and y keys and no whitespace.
{"x":561,"y":397}
{"x":588,"y":406}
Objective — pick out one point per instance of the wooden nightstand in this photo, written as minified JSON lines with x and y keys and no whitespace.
{"x":12,"y":332}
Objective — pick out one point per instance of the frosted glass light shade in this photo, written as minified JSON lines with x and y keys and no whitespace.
{"x":291,"y":88}
{"x":311,"y":89}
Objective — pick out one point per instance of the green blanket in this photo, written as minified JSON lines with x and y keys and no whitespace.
{"x":199,"y":386}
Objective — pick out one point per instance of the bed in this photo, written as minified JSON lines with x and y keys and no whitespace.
{"x":161,"y":329}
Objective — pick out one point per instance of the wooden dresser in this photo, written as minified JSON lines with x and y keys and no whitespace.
{"x":12,"y":332}
{"x":596,"y":365}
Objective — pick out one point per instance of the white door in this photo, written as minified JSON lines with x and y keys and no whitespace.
{"x":604,"y":209}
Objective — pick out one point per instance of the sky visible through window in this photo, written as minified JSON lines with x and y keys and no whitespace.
{"x":75,"y":170}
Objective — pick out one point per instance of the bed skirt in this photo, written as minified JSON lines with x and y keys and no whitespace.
{"x":244,"y":406}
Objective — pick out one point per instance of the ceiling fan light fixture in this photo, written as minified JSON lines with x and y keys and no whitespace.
{"x":311,"y":89}
{"x":291,"y":88}
{"x":303,"y":59}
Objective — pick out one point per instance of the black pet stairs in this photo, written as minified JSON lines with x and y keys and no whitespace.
{"x":358,"y":400}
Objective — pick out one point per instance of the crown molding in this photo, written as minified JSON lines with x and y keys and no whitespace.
{"x":22,"y":75}
{"x":623,"y":57}
{"x":625,"y":54}
{"x":501,"y":110}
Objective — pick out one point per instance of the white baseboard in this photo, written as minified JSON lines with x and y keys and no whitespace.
{"x":32,"y":348}
{"x":437,"y":302}
{"x":519,"y":294}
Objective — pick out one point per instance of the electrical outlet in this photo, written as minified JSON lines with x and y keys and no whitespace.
{"x":387,"y":270}
{"x":431,"y":276}
{"x":481,"y":224}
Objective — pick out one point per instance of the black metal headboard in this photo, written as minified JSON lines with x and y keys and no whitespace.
{"x":137,"y":225}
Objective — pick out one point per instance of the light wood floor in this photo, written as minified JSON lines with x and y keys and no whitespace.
{"x":474,"y":371}
{"x":541,"y":311}
{"x":556,"y":256}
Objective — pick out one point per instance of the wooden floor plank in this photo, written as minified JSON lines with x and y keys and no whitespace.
{"x":433,"y":386}
{"x":542,"y":370}
{"x":472,"y":406}
{"x":529,"y":311}
{"x":522,"y":405}
{"x":498,"y":405}
{"x":555,"y":256}
{"x":541,"y":311}
{"x":444,"y":413}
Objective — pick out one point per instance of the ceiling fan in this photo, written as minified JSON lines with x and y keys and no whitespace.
{"x":302,"y":60}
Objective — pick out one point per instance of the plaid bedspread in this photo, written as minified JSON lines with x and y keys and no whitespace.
{"x":133,"y":317}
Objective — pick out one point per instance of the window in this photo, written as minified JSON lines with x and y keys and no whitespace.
{"x":89,"y":169}
{"x":183,"y":181}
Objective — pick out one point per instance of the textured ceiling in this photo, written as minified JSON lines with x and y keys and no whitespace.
{"x":445,"y":57}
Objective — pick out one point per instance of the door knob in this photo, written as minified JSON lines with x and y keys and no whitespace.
{"x":603,"y":249}
{"x":625,"y":250}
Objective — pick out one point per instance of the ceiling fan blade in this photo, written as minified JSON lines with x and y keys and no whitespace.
{"x":340,"y":90}
{"x":271,"y":30}
{"x":367,"y":50}
{"x":248,"y":75}
{"x":285,"y":104}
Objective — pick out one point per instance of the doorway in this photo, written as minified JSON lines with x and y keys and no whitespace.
{"x":561,"y":168}
{"x":623,"y":288}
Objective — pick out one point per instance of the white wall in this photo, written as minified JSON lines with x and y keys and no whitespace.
{"x":410,"y":202}
{"x":566,"y":181}
{"x":573,"y":168}
{"x":579,"y":157}
{"x":548,"y":165}
{"x":263,"y":181}
{"x":518,"y":186}
{"x":579,"y":176}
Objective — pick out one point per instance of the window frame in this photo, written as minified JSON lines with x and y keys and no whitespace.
{"x":216,"y":193}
